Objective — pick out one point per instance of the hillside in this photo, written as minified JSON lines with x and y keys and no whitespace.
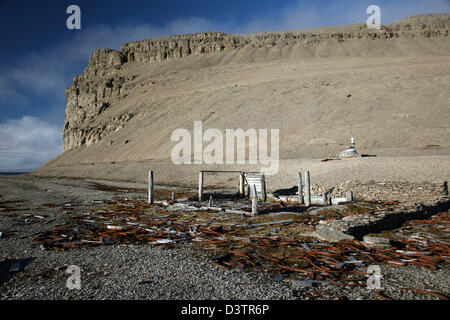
{"x":388,"y":88}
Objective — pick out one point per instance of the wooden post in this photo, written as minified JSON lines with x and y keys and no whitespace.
{"x":200,"y":186}
{"x":300,"y":188}
{"x":255,"y":201}
{"x":307,"y":189}
{"x":349,"y":196}
{"x":210,"y":203}
{"x":248,"y":191}
{"x":173,"y":196}
{"x":150,"y":187}
{"x":241,"y":184}
{"x":263,"y":188}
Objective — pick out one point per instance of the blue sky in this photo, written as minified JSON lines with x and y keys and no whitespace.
{"x":39,"y":56}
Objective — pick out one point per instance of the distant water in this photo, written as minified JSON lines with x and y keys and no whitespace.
{"x":11,"y":173}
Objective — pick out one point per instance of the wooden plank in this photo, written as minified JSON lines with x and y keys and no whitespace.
{"x":252,"y":175}
{"x":221,"y":171}
{"x":254,"y":179}
{"x":259,"y":181}
{"x":318,"y":199}
{"x":336,"y":201}
{"x":256,"y":183}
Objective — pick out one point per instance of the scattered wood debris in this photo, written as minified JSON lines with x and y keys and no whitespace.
{"x":270,"y":242}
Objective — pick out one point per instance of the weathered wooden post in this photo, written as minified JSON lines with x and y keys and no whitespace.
{"x":307,"y":189}
{"x":300,"y":188}
{"x":254,"y":201}
{"x":241,"y":184}
{"x":210,"y":203}
{"x":349,"y":196}
{"x":248,"y":191}
{"x":150,"y":187}
{"x":324,"y":199}
{"x":263,"y":188}
{"x":173,"y":196}
{"x":200,"y":186}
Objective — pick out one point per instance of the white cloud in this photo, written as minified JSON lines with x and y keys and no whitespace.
{"x":28,"y":142}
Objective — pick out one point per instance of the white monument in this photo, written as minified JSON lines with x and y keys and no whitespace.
{"x":350,"y":152}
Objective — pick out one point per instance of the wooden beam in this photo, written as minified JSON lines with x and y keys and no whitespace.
{"x":221,"y":171}
{"x":336,"y":201}
{"x":318,"y":199}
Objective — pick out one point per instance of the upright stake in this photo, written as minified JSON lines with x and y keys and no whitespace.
{"x":254,"y":201}
{"x":300,"y":188}
{"x":349,"y":196}
{"x":324,"y":199}
{"x":263,"y":188}
{"x":307,"y":189}
{"x":150,"y":187}
{"x":200,"y":186}
{"x":210,"y":203}
{"x":173,"y":196}
{"x":241,"y":184}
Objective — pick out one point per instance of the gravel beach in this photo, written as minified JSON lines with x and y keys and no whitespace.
{"x":145,"y":271}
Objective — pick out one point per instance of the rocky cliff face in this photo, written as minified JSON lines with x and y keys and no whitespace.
{"x":103,"y":85}
{"x":91,"y":93}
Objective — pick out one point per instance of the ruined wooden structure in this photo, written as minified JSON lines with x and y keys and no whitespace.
{"x":248,"y":179}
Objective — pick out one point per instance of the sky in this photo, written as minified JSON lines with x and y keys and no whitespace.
{"x":39,"y":55}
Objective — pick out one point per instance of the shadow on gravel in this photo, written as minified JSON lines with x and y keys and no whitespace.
{"x":291,"y":209}
{"x":9,"y":268}
{"x":218,"y":196}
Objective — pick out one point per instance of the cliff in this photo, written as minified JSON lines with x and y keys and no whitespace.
{"x":106,"y":83}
